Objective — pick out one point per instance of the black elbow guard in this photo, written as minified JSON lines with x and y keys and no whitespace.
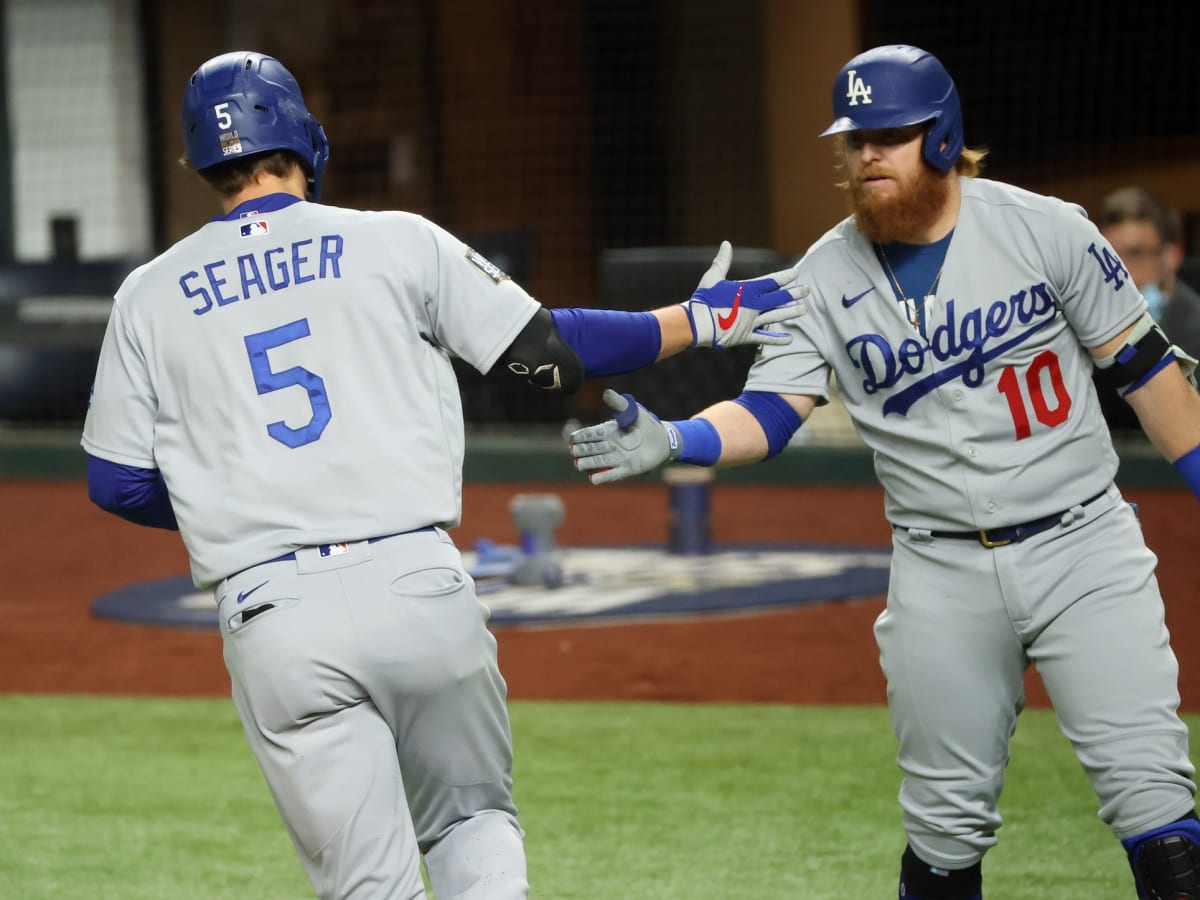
{"x":539,"y":356}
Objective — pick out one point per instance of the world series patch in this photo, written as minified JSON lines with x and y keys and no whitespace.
{"x":231,"y":143}
{"x":485,"y":265}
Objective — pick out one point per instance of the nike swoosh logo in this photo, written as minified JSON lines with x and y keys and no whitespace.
{"x":726,"y":321}
{"x":848,"y":302}
{"x":244,"y":594}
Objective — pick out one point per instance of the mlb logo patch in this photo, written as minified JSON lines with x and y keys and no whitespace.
{"x":255,"y":227}
{"x":334,"y":549}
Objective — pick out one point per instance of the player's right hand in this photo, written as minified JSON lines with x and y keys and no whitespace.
{"x":633,"y":442}
{"x":727,"y":313}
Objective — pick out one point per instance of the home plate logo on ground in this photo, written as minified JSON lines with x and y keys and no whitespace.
{"x":646,"y":582}
{"x":598,"y":584}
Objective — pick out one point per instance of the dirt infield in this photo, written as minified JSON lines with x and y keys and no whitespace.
{"x":59,"y":553}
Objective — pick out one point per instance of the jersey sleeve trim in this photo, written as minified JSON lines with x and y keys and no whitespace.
{"x":507,"y":337}
{"x":821,"y":394}
{"x":123,"y":459}
{"x":1133,"y":317}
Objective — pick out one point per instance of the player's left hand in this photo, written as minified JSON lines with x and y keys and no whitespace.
{"x":633,"y":442}
{"x":727,"y":313}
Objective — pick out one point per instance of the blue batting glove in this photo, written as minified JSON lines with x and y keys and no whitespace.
{"x":726,"y":313}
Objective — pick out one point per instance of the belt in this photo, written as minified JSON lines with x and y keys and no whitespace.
{"x":335,"y":549}
{"x":1012,"y":534}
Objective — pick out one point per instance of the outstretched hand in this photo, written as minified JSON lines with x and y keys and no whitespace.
{"x":633,"y":442}
{"x":726,"y":313}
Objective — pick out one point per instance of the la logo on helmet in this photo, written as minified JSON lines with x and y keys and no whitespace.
{"x":857,"y":89}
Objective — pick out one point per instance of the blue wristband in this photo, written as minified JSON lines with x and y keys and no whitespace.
{"x":1188,"y":466}
{"x":700,"y":444}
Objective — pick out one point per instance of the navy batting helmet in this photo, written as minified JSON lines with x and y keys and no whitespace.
{"x":895,"y":86}
{"x":241,"y":103}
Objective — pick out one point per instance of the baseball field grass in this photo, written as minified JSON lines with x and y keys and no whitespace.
{"x":132,"y":799}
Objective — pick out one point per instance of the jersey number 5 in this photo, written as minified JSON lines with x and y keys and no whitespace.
{"x":1010,"y":386}
{"x":265,"y":380}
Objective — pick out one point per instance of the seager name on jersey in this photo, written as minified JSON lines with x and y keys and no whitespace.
{"x":256,"y":274}
{"x":966,"y":346}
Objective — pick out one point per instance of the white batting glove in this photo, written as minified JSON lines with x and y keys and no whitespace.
{"x":728,"y":313}
{"x":633,"y":442}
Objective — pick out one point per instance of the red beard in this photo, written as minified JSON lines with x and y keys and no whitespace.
{"x":904,"y":216}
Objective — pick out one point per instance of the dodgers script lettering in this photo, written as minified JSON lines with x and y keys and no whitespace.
{"x":957,"y":349}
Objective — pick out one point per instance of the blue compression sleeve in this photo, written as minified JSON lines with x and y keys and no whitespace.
{"x":135,"y":494}
{"x":609,"y":341}
{"x":776,"y":416}
{"x":1188,"y":466}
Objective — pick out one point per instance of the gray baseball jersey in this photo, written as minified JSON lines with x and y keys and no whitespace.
{"x":288,"y":370}
{"x":991,"y":421}
{"x":262,"y":448}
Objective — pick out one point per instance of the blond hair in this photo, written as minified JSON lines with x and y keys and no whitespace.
{"x":970,"y":161}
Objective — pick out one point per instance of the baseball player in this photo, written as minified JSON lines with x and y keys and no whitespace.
{"x":278,"y":387}
{"x":963,"y":318}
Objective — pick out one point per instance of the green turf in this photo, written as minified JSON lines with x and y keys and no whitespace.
{"x":111,"y":798}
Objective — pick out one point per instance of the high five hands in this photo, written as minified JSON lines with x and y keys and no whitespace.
{"x":634,"y":441}
{"x":729,"y":313}
{"x":722,"y":314}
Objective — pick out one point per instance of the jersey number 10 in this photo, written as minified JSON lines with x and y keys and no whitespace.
{"x":1010,"y":387}
{"x":266,"y":381}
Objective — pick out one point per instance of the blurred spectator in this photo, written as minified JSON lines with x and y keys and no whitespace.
{"x":1146,"y":234}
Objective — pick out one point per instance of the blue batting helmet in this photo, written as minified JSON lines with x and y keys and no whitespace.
{"x":241,"y":103}
{"x":895,"y":86}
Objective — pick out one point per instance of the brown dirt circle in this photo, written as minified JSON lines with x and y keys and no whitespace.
{"x":60,"y":553}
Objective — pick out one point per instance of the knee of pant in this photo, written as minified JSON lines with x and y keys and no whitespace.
{"x":481,"y":858}
{"x":1166,"y":860}
{"x":921,"y":881}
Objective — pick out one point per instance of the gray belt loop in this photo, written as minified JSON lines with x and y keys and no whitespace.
{"x":924,"y":535}
{"x":1072,"y":515}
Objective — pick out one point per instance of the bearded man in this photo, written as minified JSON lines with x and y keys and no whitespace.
{"x":963,"y":318}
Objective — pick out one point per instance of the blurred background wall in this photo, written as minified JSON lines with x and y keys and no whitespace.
{"x":551,"y":133}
